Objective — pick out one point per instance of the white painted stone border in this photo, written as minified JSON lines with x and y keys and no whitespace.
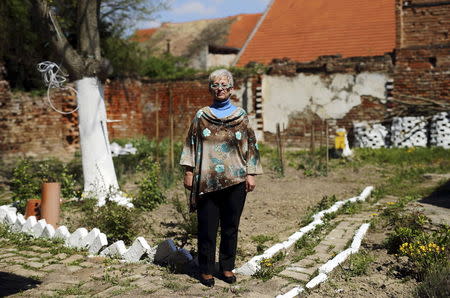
{"x":94,"y":241}
{"x":252,"y":266}
{"x":329,"y":266}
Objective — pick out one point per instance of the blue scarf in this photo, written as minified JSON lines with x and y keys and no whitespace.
{"x":222,"y":109}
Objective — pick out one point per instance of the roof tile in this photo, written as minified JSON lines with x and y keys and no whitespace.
{"x":305,"y":29}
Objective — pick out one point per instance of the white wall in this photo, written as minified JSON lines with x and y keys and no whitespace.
{"x":330,"y":97}
{"x":220,"y":60}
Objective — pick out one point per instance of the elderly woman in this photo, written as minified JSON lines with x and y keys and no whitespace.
{"x":221,"y":159}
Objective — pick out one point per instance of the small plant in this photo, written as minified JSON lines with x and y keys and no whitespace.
{"x":260,"y":240}
{"x":358,"y":264}
{"x":188,"y":220}
{"x":268,"y":267}
{"x":150,"y":194}
{"x":435,"y":282}
{"x":423,"y":255}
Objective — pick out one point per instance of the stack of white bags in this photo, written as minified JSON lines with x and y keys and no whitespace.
{"x":370,"y":135}
{"x":409,"y":132}
{"x":405,"y":132}
{"x":440,"y":130}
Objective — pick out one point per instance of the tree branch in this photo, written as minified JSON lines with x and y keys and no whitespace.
{"x":71,"y":60}
{"x":88,"y":33}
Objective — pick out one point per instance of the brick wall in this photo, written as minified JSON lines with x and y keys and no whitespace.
{"x":423,"y":22}
{"x":423,"y":55}
{"x":28,"y":127}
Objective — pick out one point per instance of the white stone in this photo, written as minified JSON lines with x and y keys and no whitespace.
{"x":38,"y":228}
{"x":62,"y":233}
{"x":99,"y":242}
{"x":136,"y":250}
{"x":49,"y":231}
{"x":359,"y":235}
{"x":90,"y":237}
{"x":336,"y":261}
{"x":29,"y":224}
{"x":115,"y":250}
{"x":3,"y":211}
{"x":366,"y":193}
{"x":10,"y":218}
{"x":151,"y":253}
{"x":20,"y":221}
{"x":320,"y":278}
{"x":76,"y":238}
{"x":270,"y":252}
{"x":292,"y":293}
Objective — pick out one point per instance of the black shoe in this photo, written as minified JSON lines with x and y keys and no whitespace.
{"x":207,"y":282}
{"x":229,"y":279}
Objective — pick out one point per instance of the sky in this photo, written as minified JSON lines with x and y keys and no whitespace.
{"x":190,"y":10}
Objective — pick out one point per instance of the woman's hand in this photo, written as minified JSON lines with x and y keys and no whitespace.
{"x":250,"y":183}
{"x":188,"y":177}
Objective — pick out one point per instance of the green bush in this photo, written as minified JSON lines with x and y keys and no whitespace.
{"x":116,"y":221}
{"x":157,"y":151}
{"x":28,"y":175}
{"x":150,"y":194}
{"x":435,"y":283}
{"x":358,"y":264}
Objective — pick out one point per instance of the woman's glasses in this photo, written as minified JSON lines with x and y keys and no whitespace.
{"x":222,"y":86}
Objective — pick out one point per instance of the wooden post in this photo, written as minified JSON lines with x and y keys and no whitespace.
{"x":321,"y":136}
{"x":326,"y":136}
{"x":280,"y":149}
{"x":311,"y":147}
{"x":171,"y":127}
{"x":157,"y":126}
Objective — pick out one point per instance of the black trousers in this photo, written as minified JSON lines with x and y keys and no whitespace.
{"x":224,"y":206}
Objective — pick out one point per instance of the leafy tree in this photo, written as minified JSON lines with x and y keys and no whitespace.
{"x":22,"y":46}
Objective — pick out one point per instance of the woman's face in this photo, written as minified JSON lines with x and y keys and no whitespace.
{"x":220,"y":88}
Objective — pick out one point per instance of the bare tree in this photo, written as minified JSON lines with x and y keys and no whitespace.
{"x":86,"y":67}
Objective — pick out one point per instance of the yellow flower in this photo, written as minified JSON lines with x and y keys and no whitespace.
{"x":390,"y":203}
{"x":374,"y":214}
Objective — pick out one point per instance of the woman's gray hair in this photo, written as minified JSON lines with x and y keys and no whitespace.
{"x":221,"y":73}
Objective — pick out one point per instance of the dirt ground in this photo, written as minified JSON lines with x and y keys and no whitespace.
{"x":274,"y":209}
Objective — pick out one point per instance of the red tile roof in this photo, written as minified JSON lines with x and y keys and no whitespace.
{"x":181,"y":36}
{"x":305,"y":29}
{"x":241,"y":29}
{"x":144,"y":34}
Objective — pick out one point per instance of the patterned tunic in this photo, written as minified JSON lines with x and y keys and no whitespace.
{"x":222,"y":152}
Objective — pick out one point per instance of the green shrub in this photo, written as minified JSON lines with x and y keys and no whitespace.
{"x":358,"y":264}
{"x":157,"y":151}
{"x":269,"y":267}
{"x":116,"y":221}
{"x":28,"y":175}
{"x":150,"y":194}
{"x":435,"y":283}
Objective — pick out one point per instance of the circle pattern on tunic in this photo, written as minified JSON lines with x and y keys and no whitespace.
{"x":206,"y":132}
{"x":220,"y":168}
